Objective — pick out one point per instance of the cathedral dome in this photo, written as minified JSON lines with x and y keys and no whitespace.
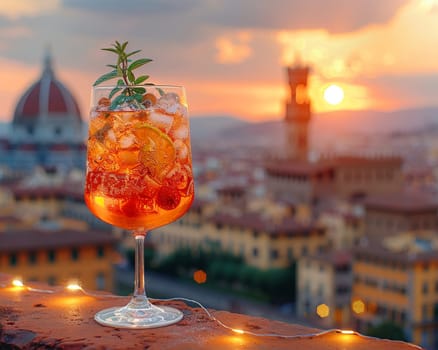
{"x":46,"y":99}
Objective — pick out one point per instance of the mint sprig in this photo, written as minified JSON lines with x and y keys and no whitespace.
{"x":124,"y":71}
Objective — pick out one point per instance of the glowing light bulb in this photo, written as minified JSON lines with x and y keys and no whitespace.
{"x":73,"y":287}
{"x":17,"y":283}
{"x":235,"y":330}
{"x":347,"y":331}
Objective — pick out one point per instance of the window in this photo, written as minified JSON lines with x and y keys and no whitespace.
{"x":100,"y":250}
{"x":100,"y":281}
{"x":32,"y":258}
{"x":13,"y":259}
{"x":425,"y":288}
{"x":425,"y":312}
{"x":51,"y":256}
{"x":255,"y":251}
{"x":320,"y":290}
{"x":304,"y":250}
{"x":274,"y":254}
{"x":74,"y":254}
{"x":435,"y":312}
{"x":290,"y":254}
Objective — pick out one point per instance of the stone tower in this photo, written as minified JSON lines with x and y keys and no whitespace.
{"x":298,"y":114}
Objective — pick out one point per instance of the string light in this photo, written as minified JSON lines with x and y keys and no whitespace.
{"x":17,"y":283}
{"x":74,"y":287}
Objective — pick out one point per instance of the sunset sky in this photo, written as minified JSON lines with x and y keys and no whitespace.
{"x":231,"y":54}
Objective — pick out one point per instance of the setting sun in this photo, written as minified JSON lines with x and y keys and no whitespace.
{"x":333,"y":94}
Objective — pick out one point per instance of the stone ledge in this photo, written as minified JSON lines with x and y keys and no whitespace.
{"x":64,"y":320}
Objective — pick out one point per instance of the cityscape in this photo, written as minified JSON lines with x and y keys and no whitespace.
{"x":342,"y":240}
{"x":317,"y":216}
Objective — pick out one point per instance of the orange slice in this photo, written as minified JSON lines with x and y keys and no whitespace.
{"x":157,"y":151}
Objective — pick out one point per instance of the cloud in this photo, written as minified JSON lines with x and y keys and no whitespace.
{"x":133,"y":7}
{"x":233,"y":50}
{"x":334,"y":16}
{"x":24,"y":8}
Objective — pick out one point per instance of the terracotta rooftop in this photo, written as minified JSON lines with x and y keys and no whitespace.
{"x":295,"y":168}
{"x":67,"y":189}
{"x":286,"y":167}
{"x":17,"y":240}
{"x":335,"y":258}
{"x":405,"y":202}
{"x":413,"y":251}
{"x":64,"y":320}
{"x":254,"y":221}
{"x":364,"y":160}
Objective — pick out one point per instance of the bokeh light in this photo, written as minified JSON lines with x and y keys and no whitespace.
{"x":200,"y":276}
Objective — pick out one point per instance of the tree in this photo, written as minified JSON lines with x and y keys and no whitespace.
{"x":387,"y":330}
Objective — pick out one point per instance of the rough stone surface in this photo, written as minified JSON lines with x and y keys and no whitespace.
{"x":64,"y":320}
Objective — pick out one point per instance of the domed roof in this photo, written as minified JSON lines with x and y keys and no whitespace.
{"x":46,"y":98}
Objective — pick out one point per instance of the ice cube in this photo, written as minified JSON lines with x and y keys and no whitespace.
{"x":182,"y":151}
{"x":179,"y":177}
{"x":126,"y":140}
{"x":111,"y":135}
{"x":169,"y":103}
{"x":182,"y":110}
{"x":181,"y":133}
{"x":180,"y":128}
{"x":162,"y":121}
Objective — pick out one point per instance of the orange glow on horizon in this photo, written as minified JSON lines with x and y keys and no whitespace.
{"x":366,"y":62}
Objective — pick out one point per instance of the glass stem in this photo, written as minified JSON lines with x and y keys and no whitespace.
{"x":139,"y":299}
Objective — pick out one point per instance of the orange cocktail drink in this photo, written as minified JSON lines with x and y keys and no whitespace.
{"x":139,"y":169}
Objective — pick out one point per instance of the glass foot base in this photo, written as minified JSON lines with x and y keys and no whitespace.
{"x":151,"y":317}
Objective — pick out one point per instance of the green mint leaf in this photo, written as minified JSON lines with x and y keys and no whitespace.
{"x":117,"y":101}
{"x":139,"y":90}
{"x":132,"y":53}
{"x":131,"y":76}
{"x":110,"y":49}
{"x":108,"y":76}
{"x":124,"y":91}
{"x":113,"y":92}
{"x":138,"y":97}
{"x":139,"y":63}
{"x":141,"y":79}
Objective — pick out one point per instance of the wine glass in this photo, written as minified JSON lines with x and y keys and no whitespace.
{"x":139,"y":177}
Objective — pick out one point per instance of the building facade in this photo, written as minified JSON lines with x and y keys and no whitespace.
{"x":59,"y":256}
{"x":400,"y":212}
{"x":395,"y":279}
{"x":324,"y":289}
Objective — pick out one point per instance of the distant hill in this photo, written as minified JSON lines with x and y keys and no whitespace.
{"x":206,"y":127}
{"x":377,"y":121}
{"x":331,"y":125}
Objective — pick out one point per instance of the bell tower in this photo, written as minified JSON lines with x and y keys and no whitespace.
{"x":298,"y":114}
